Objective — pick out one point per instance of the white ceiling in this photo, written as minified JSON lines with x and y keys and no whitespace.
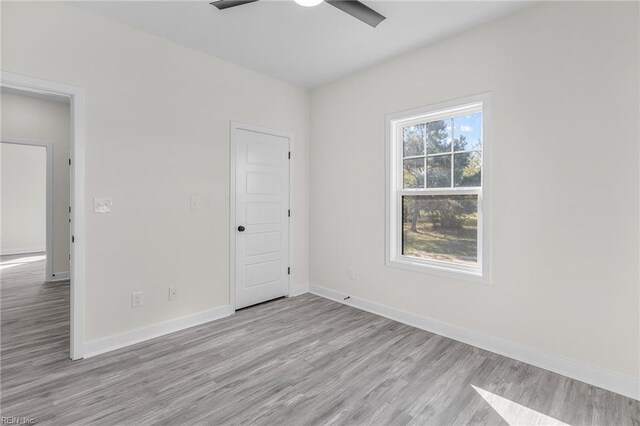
{"x":300,"y":45}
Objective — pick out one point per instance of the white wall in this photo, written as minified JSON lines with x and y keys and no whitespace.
{"x":564,"y":84}
{"x":157,"y":132}
{"x":35,"y":119}
{"x":23,"y":198}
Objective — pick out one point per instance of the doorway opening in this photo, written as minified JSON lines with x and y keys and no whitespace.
{"x":27,"y":202}
{"x":35,"y":246}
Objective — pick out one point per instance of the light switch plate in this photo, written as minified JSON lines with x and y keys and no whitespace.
{"x":102,"y":205}
{"x":195,"y":202}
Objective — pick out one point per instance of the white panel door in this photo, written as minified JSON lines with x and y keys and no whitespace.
{"x":262,"y":217}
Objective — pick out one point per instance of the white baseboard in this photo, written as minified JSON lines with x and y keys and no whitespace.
{"x":106,"y":344}
{"x":59,"y":276}
{"x":596,"y":376}
{"x":21,"y":250}
{"x":298,"y":289}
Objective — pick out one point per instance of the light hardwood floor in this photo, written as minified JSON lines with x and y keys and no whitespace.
{"x":298,"y":361}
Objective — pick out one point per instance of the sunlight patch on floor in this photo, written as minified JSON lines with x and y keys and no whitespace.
{"x":20,"y":261}
{"x":514,"y":413}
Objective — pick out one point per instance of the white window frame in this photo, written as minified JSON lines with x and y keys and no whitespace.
{"x":395,"y":191}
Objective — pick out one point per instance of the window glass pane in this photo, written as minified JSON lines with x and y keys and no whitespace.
{"x":468,"y":168}
{"x":441,"y":228}
{"x":438,"y":135}
{"x":439,"y":171}
{"x":467,"y":132}
{"x":413,"y":173}
{"x":413,"y":140}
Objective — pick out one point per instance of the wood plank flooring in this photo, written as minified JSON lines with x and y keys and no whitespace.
{"x":297,"y":361}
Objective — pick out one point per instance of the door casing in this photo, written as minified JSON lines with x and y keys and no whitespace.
{"x":75,"y":95}
{"x":234,"y":127}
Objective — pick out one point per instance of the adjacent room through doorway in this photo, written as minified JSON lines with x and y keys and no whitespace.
{"x":35,"y":206}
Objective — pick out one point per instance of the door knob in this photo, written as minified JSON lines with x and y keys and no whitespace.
{"x":241,"y":228}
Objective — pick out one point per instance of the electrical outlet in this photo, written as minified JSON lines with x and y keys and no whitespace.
{"x":136,"y":299}
{"x":351,"y":273}
{"x":173,"y":292}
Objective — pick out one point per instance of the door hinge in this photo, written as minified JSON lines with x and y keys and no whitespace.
{"x":289,"y":213}
{"x":289,"y":155}
{"x":69,"y":161}
{"x":289,"y":271}
{"x":73,"y":239}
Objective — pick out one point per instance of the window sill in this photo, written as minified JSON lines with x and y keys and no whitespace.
{"x":439,"y":270}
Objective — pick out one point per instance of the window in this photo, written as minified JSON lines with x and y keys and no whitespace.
{"x":437,"y":197}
